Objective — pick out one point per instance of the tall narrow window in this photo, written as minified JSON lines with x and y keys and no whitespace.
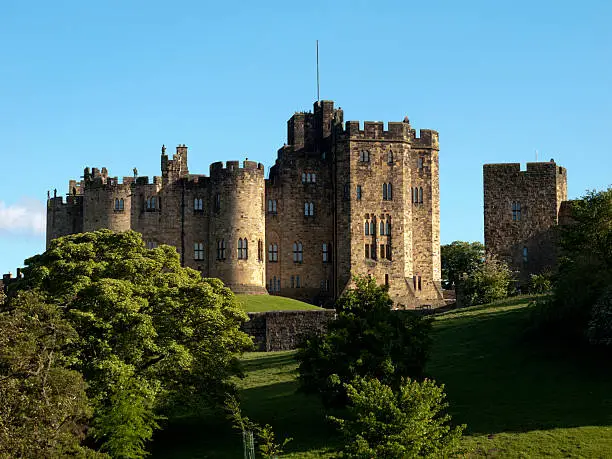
{"x":221,"y":249}
{"x":273,"y":252}
{"x":198,"y":251}
{"x":366,"y":228}
{"x":420,"y":163}
{"x":390,"y":157}
{"x":118,"y":204}
{"x":387,"y":280}
{"x":292,"y":281}
{"x":516,"y":211}
{"x":388,"y":227}
{"x":303,"y":177}
{"x":358,"y":192}
{"x":420,"y":195}
{"x":243,"y":249}
{"x":308,"y":209}
{"x":382,"y":228}
{"x":419,"y":283}
{"x":198,"y":205}
{"x":389,"y":192}
{"x":525,"y":255}
{"x":347,"y":191}
{"x":373,"y":249}
{"x":384,"y":192}
{"x":298,"y":252}
{"x":278,"y":285}
{"x":260,"y":255}
{"x":367,"y":250}
{"x":382,"y":251}
{"x":373,"y":228}
{"x":314,"y":177}
{"x":364,"y":156}
{"x":217,"y":202}
{"x":325,"y":250}
{"x":297,"y":282}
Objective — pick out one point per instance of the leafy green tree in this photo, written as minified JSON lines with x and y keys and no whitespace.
{"x":540,"y":283}
{"x":150,"y":334}
{"x":390,"y":424}
{"x":367,"y":339}
{"x":44,"y":409}
{"x":459,"y":258}
{"x":585,"y":268}
{"x":488,"y":282}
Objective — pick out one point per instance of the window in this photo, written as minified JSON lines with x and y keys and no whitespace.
{"x":387,"y":280}
{"x":326,"y":250}
{"x":274,"y":285}
{"x":151,"y":245}
{"x":198,"y":205}
{"x":309,"y":177}
{"x":119,"y":204}
{"x":297,"y":282}
{"x":260,"y":255}
{"x":366,"y":228}
{"x":525,"y":255}
{"x":419,"y":282}
{"x":198,"y":251}
{"x":325,"y":285}
{"x":243,"y":249}
{"x":303,"y":177}
{"x":388,"y":249}
{"x":373,"y":248}
{"x":217,"y":202}
{"x":516,"y":211}
{"x":390,"y":157}
{"x":387,"y":192}
{"x":382,"y":228}
{"x":416,"y":282}
{"x":420,"y":195}
{"x":152,"y":203}
{"x":358,"y":192}
{"x":372,"y":228}
{"x":364,"y":156}
{"x":346,"y":191}
{"x":221,"y":249}
{"x":367,"y":250}
{"x":308,"y":209}
{"x":273,"y":252}
{"x":420,"y":161}
{"x":298,"y":252}
{"x":388,"y":227}
{"x":271,"y":206}
{"x":292,"y":281}
{"x":382,"y":251}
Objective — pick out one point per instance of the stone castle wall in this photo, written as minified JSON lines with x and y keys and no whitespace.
{"x":521,"y":214}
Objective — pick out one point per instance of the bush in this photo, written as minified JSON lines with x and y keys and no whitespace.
{"x":488,"y":282}
{"x":408,"y":422}
{"x":367,"y":339}
{"x":540,"y":283}
{"x":600,"y":325}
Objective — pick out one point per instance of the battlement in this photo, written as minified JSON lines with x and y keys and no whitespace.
{"x":402,"y":131}
{"x":234,"y":166}
{"x":548,"y":168}
{"x":71,"y":200}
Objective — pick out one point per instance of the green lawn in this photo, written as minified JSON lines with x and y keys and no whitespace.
{"x":519,"y":398}
{"x":259,"y":303}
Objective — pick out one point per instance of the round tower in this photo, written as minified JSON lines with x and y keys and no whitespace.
{"x":237,"y":226}
{"x":106,"y":203}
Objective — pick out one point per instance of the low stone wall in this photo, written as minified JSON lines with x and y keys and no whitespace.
{"x":284,"y":330}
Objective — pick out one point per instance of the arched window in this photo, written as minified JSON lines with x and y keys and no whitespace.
{"x":366,"y":228}
{"x":243,"y":249}
{"x":372,"y":228}
{"x":390,"y":157}
{"x":421,"y":195}
{"x":116,"y":203}
{"x":388,"y":227}
{"x":382,"y":228}
{"x":221,"y":249}
{"x":298,"y":252}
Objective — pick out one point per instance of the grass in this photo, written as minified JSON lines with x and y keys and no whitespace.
{"x":261,"y":303}
{"x":519,"y":397}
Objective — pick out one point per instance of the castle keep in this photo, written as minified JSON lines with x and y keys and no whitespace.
{"x":522,"y":210}
{"x":341,"y":199}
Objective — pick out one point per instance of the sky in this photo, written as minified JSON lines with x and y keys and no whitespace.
{"x":107,"y":83}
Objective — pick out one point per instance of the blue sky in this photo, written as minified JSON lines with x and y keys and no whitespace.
{"x":107,"y":83}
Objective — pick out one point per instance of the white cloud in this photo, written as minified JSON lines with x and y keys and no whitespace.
{"x":25,"y":217}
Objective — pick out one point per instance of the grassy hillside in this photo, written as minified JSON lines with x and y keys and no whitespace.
{"x":519,"y":398}
{"x":259,"y":303}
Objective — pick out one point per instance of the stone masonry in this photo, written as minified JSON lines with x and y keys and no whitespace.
{"x":342,"y":199}
{"x":521,"y":214}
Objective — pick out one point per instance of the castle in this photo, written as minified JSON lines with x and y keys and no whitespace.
{"x":522,"y":211}
{"x":341,"y":200}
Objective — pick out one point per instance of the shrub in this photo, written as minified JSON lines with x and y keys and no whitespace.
{"x":367,"y":339}
{"x":408,"y":422}
{"x":540,"y":283}
{"x":488,"y":282}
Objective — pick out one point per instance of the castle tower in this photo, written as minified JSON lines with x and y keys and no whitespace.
{"x":521,"y":213}
{"x":237,"y":226}
{"x":64,"y":218}
{"x":106,"y":202}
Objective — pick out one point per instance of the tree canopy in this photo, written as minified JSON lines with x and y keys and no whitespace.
{"x":148,"y":333}
{"x":460,"y":257}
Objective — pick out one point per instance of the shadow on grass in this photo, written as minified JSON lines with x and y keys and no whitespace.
{"x":498,"y":381}
{"x":291,"y":414}
{"x":265,"y":361}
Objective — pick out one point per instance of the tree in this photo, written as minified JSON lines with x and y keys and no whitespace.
{"x":585,"y":268}
{"x":460,"y":258}
{"x":150,"y":334}
{"x":388,"y":424}
{"x":367,"y":339}
{"x":44,"y":409}
{"x":488,"y":282}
